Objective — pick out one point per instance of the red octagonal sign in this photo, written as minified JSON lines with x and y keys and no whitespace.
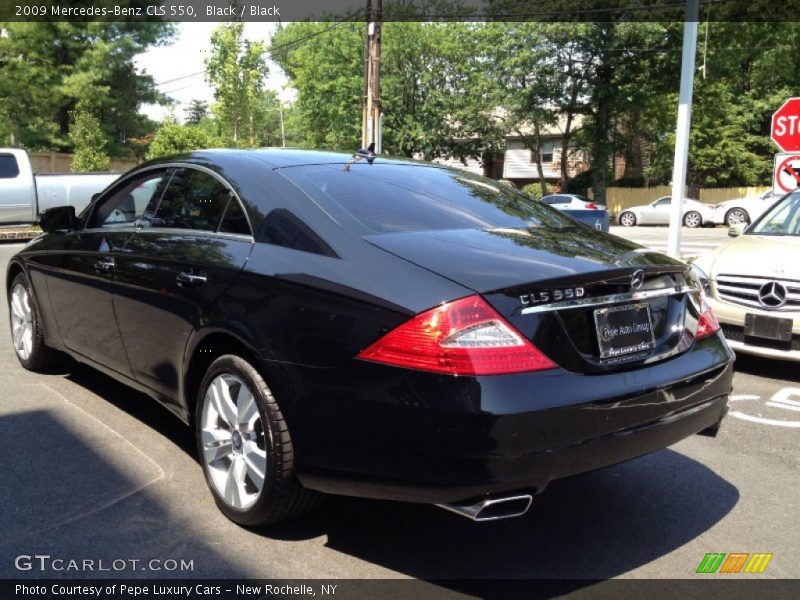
{"x":786,"y":126}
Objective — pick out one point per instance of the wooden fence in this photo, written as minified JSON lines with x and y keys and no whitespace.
{"x":61,"y":162}
{"x":618,"y":198}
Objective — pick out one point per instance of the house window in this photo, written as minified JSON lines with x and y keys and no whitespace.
{"x":545,"y":153}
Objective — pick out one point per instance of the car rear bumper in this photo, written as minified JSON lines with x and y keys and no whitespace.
{"x":425,"y":438}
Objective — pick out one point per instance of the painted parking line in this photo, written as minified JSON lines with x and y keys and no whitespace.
{"x":780,"y":400}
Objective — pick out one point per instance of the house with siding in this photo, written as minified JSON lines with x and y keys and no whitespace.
{"x":517,"y":162}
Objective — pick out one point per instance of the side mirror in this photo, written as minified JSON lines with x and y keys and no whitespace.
{"x":736,"y":230}
{"x":60,"y":218}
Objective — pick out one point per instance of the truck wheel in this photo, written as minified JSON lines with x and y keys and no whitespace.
{"x":245,"y":447}
{"x":27,"y":334}
{"x":692,"y":219}
{"x":627,"y":219}
{"x":737,"y":216}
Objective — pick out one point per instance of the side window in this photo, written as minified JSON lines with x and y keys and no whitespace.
{"x":132,"y":203}
{"x":283,"y":228}
{"x":193,"y":200}
{"x":663,"y":202}
{"x":235,"y":220}
{"x":8,"y":166}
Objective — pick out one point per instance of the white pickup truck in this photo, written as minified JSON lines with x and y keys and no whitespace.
{"x":24,"y":195}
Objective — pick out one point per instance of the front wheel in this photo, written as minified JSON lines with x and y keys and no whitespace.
{"x":737,"y":216}
{"x":27,"y":334}
{"x":245,"y":447}
{"x":692,"y":219}
{"x":627,"y":219}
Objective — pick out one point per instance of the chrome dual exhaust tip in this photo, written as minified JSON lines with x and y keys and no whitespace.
{"x":492,"y":509}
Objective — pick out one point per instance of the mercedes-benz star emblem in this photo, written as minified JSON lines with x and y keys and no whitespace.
{"x":637,"y":279}
{"x":772,"y":295}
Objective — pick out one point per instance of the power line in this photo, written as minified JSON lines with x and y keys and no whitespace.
{"x":271,"y":52}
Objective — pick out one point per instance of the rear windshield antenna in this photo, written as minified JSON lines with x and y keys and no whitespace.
{"x":368,"y":153}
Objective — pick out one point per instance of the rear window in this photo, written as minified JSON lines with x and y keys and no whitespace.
{"x":385,"y":198}
{"x":8,"y":166}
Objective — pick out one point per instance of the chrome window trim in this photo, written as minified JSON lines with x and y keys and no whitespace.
{"x":171,"y":165}
{"x":240,"y":237}
{"x":609,"y":299}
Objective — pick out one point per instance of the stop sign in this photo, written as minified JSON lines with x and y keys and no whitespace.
{"x":786,"y":125}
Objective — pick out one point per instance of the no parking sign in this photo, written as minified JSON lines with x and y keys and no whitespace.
{"x":786,"y":172}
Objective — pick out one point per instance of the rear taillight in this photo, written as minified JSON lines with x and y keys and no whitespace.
{"x":465,"y":337}
{"x":707,"y":324}
{"x":590,"y":206}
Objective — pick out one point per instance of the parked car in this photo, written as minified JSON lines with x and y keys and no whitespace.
{"x":580,"y":208}
{"x":744,"y":210}
{"x":24,"y":196}
{"x":754,"y":283}
{"x":695,"y":213}
{"x":381,"y":329}
{"x":571,"y":201}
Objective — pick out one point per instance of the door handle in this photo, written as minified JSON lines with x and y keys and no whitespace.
{"x":104,"y":264}
{"x":189,"y":279}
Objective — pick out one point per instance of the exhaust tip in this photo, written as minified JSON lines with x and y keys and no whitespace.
{"x":492,"y":509}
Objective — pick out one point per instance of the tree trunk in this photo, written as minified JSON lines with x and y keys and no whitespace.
{"x":536,"y":151}
{"x":565,"y":152}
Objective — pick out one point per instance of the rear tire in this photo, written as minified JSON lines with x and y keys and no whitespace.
{"x":627,"y":219}
{"x":693,"y":219}
{"x":27,"y":333}
{"x":737,"y":216}
{"x":245,"y":448}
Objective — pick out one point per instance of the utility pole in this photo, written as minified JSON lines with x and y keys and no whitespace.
{"x":283,"y":130}
{"x":371,"y":110}
{"x":682,"y":128}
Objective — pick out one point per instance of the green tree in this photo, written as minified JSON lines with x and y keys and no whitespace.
{"x":46,"y":68}
{"x":88,"y":140}
{"x":196,"y":111}
{"x":173,"y":138}
{"x":433,"y":93}
{"x":237,"y":69}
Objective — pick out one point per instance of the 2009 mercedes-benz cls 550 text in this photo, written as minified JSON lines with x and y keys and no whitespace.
{"x":385,"y":329}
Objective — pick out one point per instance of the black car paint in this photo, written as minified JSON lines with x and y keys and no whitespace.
{"x":304,"y":314}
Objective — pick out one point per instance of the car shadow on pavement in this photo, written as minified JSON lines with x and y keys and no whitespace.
{"x":136,"y":404}
{"x":76,"y":492}
{"x":592,"y":526}
{"x":596,"y":525}
{"x":771,"y":368}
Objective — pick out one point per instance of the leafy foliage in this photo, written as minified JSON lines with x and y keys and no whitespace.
{"x":237,"y":69}
{"x":46,"y":68}
{"x":88,"y":139}
{"x":173,"y":138}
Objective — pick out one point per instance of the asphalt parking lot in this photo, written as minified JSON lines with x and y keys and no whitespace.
{"x":94,"y":470}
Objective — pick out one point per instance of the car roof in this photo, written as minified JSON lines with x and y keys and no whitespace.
{"x":277,"y":157}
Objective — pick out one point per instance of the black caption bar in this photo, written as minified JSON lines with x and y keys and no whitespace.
{"x":394,"y":10}
{"x":364,"y":589}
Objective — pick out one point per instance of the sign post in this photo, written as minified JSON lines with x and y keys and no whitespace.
{"x":682,"y":128}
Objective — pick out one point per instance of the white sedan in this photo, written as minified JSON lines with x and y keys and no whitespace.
{"x":695,"y":214}
{"x":743,"y":211}
{"x":571,"y":202}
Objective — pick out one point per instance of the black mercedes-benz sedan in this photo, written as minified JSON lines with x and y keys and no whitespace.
{"x":377,"y":328}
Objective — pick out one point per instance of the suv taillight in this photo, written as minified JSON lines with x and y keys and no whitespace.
{"x":464,"y":337}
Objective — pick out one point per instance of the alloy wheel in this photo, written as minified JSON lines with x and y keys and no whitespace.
{"x":737,"y":217}
{"x":627,"y":219}
{"x":21,"y":321}
{"x":692,"y":219}
{"x":232,"y":436}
